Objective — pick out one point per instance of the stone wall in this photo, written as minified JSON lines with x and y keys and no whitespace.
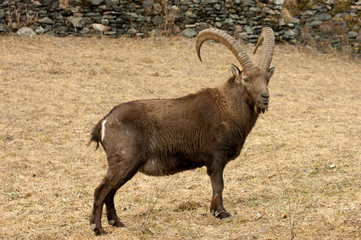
{"x":325,"y":24}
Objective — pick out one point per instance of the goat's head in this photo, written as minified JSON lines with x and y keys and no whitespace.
{"x":252,"y":80}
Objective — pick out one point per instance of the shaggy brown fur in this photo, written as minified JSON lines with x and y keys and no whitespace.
{"x":162,"y":137}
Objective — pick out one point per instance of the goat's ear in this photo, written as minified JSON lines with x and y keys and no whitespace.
{"x":235,"y":71}
{"x":271,"y":71}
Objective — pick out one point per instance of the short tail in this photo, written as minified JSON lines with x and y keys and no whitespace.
{"x":95,"y":136}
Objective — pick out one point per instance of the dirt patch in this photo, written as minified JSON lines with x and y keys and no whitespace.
{"x":299,"y":172}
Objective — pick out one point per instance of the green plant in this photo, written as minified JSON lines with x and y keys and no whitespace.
{"x":340,"y":6}
{"x":305,"y":4}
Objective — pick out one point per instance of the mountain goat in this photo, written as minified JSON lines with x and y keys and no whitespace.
{"x":166,"y":136}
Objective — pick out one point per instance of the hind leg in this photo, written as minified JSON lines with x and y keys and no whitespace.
{"x":118,"y":174}
{"x":112,"y":216}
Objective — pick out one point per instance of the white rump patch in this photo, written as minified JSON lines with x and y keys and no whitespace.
{"x":102,"y":132}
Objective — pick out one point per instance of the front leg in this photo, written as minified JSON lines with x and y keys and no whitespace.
{"x":215,"y":172}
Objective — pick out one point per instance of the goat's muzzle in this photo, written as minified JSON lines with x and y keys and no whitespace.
{"x":263,"y":102}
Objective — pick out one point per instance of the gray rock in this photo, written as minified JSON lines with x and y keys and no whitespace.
{"x":5,"y":3}
{"x":105,"y":21}
{"x":188,"y":20}
{"x":243,"y":36}
{"x":356,"y":27}
{"x":115,"y":2}
{"x":92,"y":14}
{"x":3,"y":28}
{"x":248,"y":30}
{"x":2,"y":14}
{"x":234,"y":16}
{"x":253,"y":38}
{"x":132,"y":32}
{"x":75,"y":21}
{"x":141,"y":35}
{"x":84,"y":31}
{"x":317,"y":7}
{"x":26,"y":31}
{"x":322,"y":17}
{"x":295,"y":20}
{"x":190,"y":14}
{"x":154,"y":33}
{"x":189,"y":32}
{"x":202,"y":25}
{"x":229,"y":21}
{"x":278,"y":2}
{"x":108,"y":16}
{"x":358,"y":40}
{"x":100,"y":27}
{"x":238,"y":28}
{"x":47,"y":28}
{"x":191,"y":26}
{"x":307,"y":13}
{"x":242,"y":22}
{"x":133,"y":15}
{"x":347,"y":49}
{"x":158,"y":20}
{"x":96,"y":2}
{"x":148,"y":4}
{"x":289,"y":34}
{"x":45,"y":20}
{"x":352,"y":34}
{"x":248,"y":2}
{"x":282,"y":22}
{"x":218,"y":24}
{"x":39,"y":30}
{"x":313,"y":23}
{"x":141,"y":18}
{"x":341,"y":15}
{"x":255,"y":9}
{"x":110,"y":33}
{"x":183,"y":8}
{"x":269,"y":11}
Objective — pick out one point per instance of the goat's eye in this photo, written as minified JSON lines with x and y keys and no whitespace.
{"x":246,"y":79}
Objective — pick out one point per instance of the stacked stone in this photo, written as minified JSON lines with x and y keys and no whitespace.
{"x":327,"y":26}
{"x":323,"y":24}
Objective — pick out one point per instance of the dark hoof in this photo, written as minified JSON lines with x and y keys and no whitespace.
{"x":223,"y":215}
{"x":97,"y":231}
{"x":116,"y":223}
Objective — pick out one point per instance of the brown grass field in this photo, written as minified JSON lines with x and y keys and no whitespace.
{"x":299,"y":174}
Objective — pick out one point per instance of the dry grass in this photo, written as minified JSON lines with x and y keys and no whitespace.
{"x":299,"y":171}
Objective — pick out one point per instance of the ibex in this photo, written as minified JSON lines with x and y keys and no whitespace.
{"x":165,"y":136}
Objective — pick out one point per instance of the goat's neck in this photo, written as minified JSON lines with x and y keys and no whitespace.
{"x":236,"y":108}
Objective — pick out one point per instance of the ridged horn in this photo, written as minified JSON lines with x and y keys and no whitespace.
{"x":268,"y":36}
{"x":228,"y":41}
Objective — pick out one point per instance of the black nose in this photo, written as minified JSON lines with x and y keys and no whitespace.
{"x":265,"y":96}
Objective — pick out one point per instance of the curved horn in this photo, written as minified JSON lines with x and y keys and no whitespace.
{"x":228,"y":41}
{"x":268,"y":36}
